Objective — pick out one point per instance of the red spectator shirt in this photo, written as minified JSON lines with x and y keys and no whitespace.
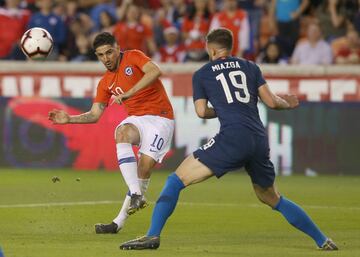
{"x":346,"y":52}
{"x":199,"y":25}
{"x":172,"y":54}
{"x":132,"y":36}
{"x":239,"y":25}
{"x":12,"y":26}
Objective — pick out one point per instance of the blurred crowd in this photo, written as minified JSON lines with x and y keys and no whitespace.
{"x":266,"y":31}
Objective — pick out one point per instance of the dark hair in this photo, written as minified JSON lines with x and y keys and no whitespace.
{"x":222,"y":37}
{"x":111,"y":18}
{"x":103,"y":38}
{"x":192,"y":12}
{"x":267,"y":58}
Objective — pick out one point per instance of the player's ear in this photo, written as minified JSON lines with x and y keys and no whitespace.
{"x":212,"y":52}
{"x":117,"y":47}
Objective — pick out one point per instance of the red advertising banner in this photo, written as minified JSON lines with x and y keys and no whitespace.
{"x":337,"y":88}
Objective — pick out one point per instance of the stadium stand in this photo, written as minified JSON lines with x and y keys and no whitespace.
{"x":73,"y":22}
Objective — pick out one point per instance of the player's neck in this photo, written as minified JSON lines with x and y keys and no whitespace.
{"x":220,"y":53}
{"x":117,"y":63}
{"x":221,"y":57}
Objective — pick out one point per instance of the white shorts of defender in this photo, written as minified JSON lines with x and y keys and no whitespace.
{"x":155,"y":134}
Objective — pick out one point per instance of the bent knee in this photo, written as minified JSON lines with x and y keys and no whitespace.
{"x":270,"y":200}
{"x":127,"y":133}
{"x":267,"y":196}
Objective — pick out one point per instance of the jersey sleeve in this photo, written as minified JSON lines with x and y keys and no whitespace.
{"x":103,"y":95}
{"x":259,"y":77}
{"x":138,"y":58}
{"x":198,"y":89}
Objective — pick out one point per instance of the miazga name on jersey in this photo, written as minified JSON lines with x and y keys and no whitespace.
{"x":225,"y":65}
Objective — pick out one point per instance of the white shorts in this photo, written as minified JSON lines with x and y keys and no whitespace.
{"x":155,"y":134}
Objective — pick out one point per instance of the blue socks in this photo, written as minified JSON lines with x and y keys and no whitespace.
{"x":166,"y":204}
{"x":169,"y":196}
{"x":297,"y":217}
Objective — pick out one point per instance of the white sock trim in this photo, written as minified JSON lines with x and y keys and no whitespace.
{"x":128,"y":166}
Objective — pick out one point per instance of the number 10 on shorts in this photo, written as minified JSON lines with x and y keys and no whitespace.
{"x":158,"y":142}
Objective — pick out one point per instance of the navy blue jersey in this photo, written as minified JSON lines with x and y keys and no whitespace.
{"x":231,"y":86}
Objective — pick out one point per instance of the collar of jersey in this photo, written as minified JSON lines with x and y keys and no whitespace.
{"x":121,"y":56}
{"x":223,"y":57}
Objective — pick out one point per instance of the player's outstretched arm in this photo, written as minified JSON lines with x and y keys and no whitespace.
{"x":92,"y":116}
{"x":276,"y":102}
{"x":203,"y":110}
{"x":58,"y":116}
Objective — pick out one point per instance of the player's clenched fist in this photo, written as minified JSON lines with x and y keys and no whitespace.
{"x":120,"y":98}
{"x":292,"y":100}
{"x":59,"y":117}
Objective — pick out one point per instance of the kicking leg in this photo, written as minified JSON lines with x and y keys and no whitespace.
{"x":294,"y":214}
{"x":190,"y":171}
{"x":126,"y":135}
{"x":146,"y":163}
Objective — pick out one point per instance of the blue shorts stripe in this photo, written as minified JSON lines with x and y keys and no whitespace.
{"x":126,"y":160}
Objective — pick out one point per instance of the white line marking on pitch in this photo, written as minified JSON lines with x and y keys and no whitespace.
{"x":55,"y":204}
{"x":32,"y":205}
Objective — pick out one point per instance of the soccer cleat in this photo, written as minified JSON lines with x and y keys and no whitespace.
{"x":137,"y":202}
{"x":142,"y":243}
{"x":329,"y":245}
{"x":111,"y":228}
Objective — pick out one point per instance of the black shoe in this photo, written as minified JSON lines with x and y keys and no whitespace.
{"x":142,"y":243}
{"x":329,"y":245}
{"x":111,"y":228}
{"x":137,"y":202}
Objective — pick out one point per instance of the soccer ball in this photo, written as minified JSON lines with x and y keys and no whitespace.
{"x":37,"y":43}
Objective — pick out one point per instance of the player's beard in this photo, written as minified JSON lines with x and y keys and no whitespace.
{"x":116,"y":65}
{"x":108,"y":66}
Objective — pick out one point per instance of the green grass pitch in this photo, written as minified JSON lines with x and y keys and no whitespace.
{"x":39,"y":218}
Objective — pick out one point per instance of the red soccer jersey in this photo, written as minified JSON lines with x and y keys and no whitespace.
{"x":151,"y":100}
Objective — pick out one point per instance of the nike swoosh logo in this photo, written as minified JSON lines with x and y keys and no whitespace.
{"x":112,"y":85}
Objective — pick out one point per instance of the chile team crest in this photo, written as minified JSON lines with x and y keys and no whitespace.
{"x":128,"y":71}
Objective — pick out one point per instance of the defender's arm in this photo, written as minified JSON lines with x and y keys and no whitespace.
{"x":203,"y":110}
{"x":276,"y":102}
